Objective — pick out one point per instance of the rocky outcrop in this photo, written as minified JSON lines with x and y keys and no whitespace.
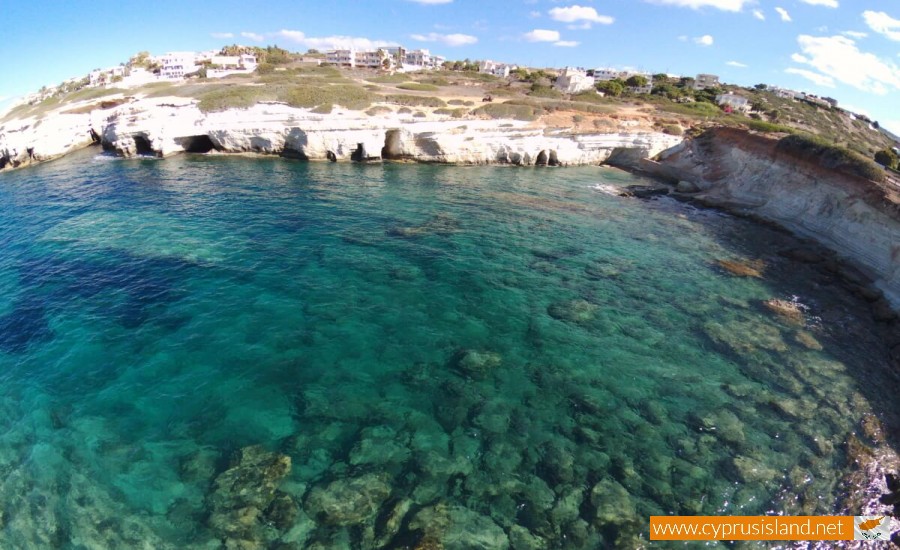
{"x":347,"y":135}
{"x":747,"y":173}
{"x":170,"y":125}
{"x":29,"y":141}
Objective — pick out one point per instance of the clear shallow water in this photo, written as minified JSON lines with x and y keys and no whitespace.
{"x":513,"y":352}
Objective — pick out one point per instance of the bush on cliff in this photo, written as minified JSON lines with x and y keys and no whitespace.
{"x":509,"y":110}
{"x":830,"y":156}
{"x":417,"y":87}
{"x":414,"y":100}
{"x":887,"y":158}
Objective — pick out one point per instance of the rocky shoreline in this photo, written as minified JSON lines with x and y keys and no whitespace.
{"x":856,"y":221}
{"x":171,"y":125}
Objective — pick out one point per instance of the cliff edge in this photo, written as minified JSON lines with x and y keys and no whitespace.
{"x":756,"y":175}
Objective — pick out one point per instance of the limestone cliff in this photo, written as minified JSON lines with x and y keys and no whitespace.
{"x":748,"y":173}
{"x":169,"y":125}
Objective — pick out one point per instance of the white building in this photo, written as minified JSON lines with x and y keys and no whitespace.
{"x":735,"y":102}
{"x":175,"y":65}
{"x":500,"y":70}
{"x":607,"y":74}
{"x":341,"y":58}
{"x":224,"y":65}
{"x":137,"y":76}
{"x":704,"y":81}
{"x":422,"y":59}
{"x":573,"y":81}
{"x":101,"y":77}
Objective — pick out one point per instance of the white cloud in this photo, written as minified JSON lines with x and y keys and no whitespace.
{"x":705,"y":40}
{"x":431,"y":1}
{"x":584,"y":16}
{"x":840,"y":59}
{"x":333,"y":42}
{"x":736,"y":64}
{"x":855,"y":34}
{"x":817,"y":78}
{"x":785,"y":16}
{"x":253,"y":36}
{"x":826,"y":3}
{"x":883,"y":23}
{"x":222,"y":35}
{"x":726,"y":5}
{"x":566,"y":43}
{"x":534,"y":14}
{"x":542,"y":35}
{"x":759,"y":15}
{"x":799,"y":58}
{"x":446,"y":39}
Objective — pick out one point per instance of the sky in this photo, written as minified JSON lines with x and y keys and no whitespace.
{"x":845,"y":49}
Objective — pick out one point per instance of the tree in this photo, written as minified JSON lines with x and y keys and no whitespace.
{"x":758,"y":106}
{"x":887,"y":158}
{"x":661,"y":78}
{"x":761,"y":86}
{"x":612,"y":88}
{"x":636,"y":81}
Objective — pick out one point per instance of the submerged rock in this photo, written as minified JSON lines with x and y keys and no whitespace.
{"x":458,"y":528}
{"x":745,"y":337}
{"x":792,"y":312}
{"x":807,"y":340}
{"x":742,"y":268}
{"x":613,"y":504}
{"x":348,"y":501}
{"x":644,"y":191}
{"x":474,"y":362}
{"x":244,"y":491}
{"x":574,"y":311}
{"x":750,"y":470}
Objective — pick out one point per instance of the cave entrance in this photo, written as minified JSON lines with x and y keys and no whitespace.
{"x":392,"y":149}
{"x":142,"y":146}
{"x":196,"y":144}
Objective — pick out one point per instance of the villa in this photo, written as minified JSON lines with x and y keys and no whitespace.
{"x":500,"y":70}
{"x":573,"y":81}
{"x":704,"y":81}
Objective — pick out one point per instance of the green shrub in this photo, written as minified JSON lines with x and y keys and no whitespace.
{"x":389,"y":79}
{"x":349,"y":96}
{"x":509,"y":110}
{"x":231,"y":97}
{"x":404,"y":110}
{"x":544,"y":91}
{"x":827,"y":155}
{"x":414,"y":100}
{"x":673,"y":129}
{"x":763,"y":126}
{"x":461,"y":102}
{"x":419,"y":114}
{"x":417,"y":87}
{"x":323,"y":109}
{"x":379,"y":110}
{"x":455,"y":113}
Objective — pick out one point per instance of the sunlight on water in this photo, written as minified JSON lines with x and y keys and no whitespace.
{"x":475,"y":357}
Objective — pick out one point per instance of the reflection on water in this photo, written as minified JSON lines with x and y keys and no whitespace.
{"x":340,"y":356}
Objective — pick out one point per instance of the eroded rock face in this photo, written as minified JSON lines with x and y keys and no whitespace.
{"x":858,"y":219}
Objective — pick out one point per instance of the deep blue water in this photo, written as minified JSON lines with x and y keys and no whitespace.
{"x":521,"y":346}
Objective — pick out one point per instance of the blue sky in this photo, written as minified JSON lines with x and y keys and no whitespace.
{"x":846,"y":49}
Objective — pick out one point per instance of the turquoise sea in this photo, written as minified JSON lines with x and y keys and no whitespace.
{"x":450,"y":357}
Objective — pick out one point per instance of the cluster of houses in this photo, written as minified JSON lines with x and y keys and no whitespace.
{"x":175,"y":66}
{"x":390,"y":58}
{"x":575,"y":80}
